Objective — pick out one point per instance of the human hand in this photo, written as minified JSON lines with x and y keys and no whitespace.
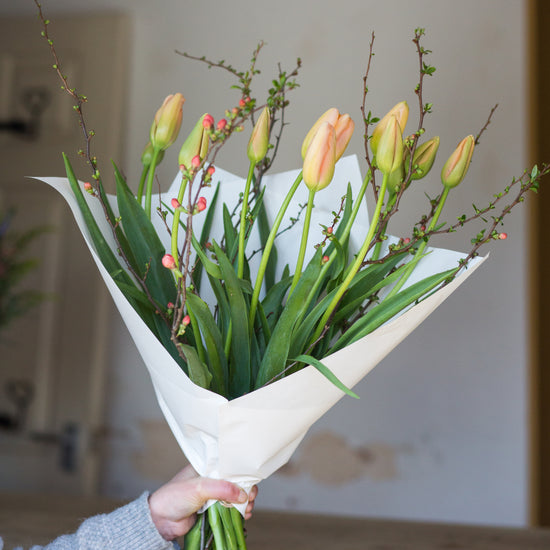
{"x":174,"y":505}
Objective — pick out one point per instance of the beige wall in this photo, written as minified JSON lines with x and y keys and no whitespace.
{"x":440,"y":431}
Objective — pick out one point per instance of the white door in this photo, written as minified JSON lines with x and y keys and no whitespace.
{"x":52,"y":360}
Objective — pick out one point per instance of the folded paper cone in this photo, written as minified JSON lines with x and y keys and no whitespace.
{"x":247,"y":439}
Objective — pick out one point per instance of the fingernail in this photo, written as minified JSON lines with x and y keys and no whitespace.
{"x":243,"y":497}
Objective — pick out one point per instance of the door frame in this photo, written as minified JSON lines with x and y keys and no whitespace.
{"x":539,"y":293}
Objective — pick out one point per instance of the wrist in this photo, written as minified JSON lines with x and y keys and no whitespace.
{"x":164,"y":526}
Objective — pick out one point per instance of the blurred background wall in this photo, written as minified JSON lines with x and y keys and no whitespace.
{"x":441,"y":429}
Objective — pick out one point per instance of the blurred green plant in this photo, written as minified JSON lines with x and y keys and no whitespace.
{"x":14,"y":268}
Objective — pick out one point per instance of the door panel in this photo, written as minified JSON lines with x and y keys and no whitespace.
{"x":57,"y":349}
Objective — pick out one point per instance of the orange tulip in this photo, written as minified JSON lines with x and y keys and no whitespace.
{"x":259,"y":140}
{"x":331,"y":116}
{"x":423,"y":159}
{"x":390,"y":147}
{"x":344,"y":130}
{"x":320,"y":159}
{"x":400,"y":112}
{"x":458,"y":163}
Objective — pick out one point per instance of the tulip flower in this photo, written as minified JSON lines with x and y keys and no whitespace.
{"x":452,"y":174}
{"x":317,"y":171}
{"x":196,"y":144}
{"x":423,"y":158}
{"x":400,"y":112}
{"x":167,"y":122}
{"x":318,"y":167}
{"x":458,"y":163}
{"x":389,"y":156}
{"x":259,"y":140}
{"x":344,"y":130}
{"x":331,"y":116}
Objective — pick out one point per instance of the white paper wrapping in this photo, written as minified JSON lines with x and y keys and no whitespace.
{"x":247,"y":439}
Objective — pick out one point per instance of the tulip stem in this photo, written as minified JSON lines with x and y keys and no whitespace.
{"x":176,"y":221}
{"x":418,"y":254}
{"x":142,"y":179}
{"x":150,"y":179}
{"x":356,"y":264}
{"x":303,"y":243}
{"x":267,"y":250}
{"x":342,"y":239}
{"x":242,"y":227}
{"x":378,"y":245}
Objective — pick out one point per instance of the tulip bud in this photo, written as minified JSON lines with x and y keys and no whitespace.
{"x":458,"y":163}
{"x":167,"y":122}
{"x":147,"y":156}
{"x":423,"y":158}
{"x":318,"y":167}
{"x":259,"y":140}
{"x":331,"y":116}
{"x":196,"y":144}
{"x":390,"y":147}
{"x":344,"y":130}
{"x":399,"y":111}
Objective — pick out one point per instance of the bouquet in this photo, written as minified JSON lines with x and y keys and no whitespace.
{"x":258,"y":302}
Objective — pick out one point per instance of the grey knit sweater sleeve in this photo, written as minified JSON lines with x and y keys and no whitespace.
{"x":129,"y":527}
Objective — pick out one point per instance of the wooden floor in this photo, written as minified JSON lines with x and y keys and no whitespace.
{"x":25,"y":521}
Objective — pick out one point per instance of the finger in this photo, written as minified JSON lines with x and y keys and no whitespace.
{"x":220,"y":490}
